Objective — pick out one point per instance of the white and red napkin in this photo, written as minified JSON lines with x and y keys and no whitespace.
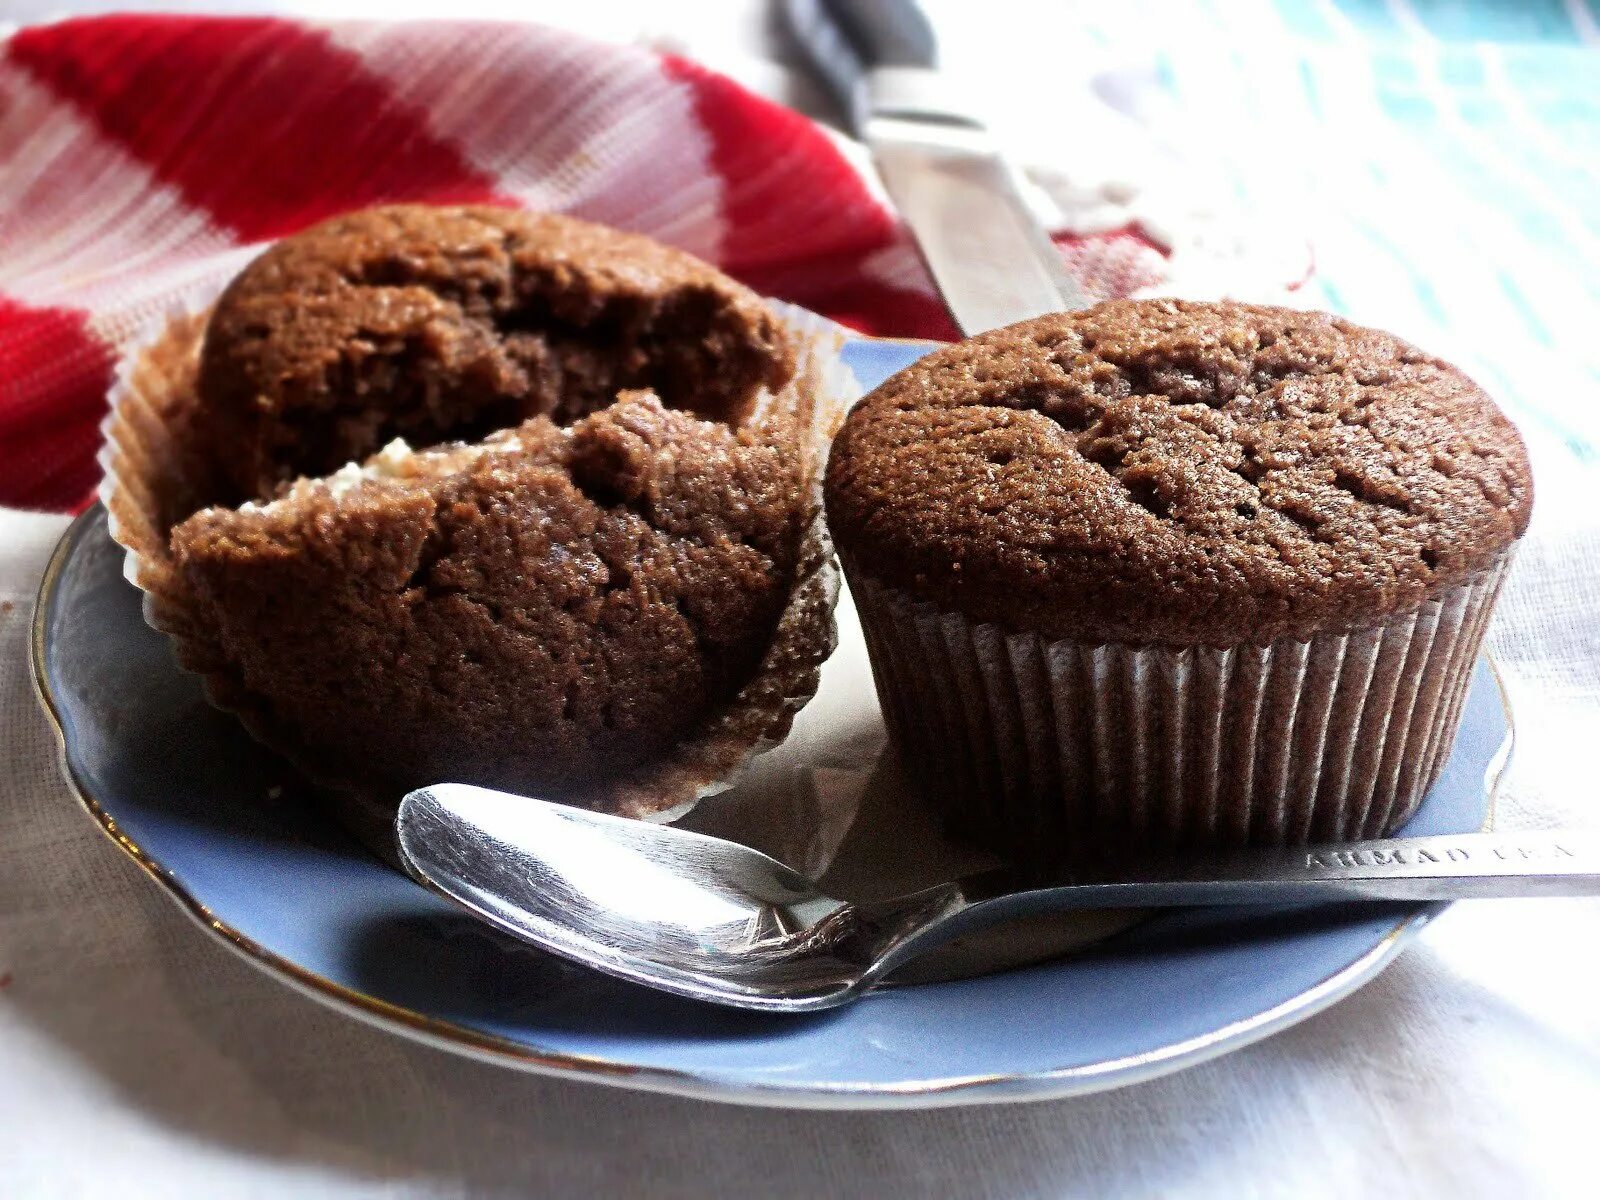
{"x":144,"y":159}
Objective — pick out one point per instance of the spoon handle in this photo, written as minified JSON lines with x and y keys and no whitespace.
{"x":1428,"y":868}
{"x":1407,"y":869}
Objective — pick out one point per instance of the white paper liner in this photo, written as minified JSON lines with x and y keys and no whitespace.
{"x":152,"y":478}
{"x":1045,"y":750}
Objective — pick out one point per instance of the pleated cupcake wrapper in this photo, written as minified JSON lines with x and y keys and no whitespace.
{"x":156,"y":474}
{"x":1047,"y":749}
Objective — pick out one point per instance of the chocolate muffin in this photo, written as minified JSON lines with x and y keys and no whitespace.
{"x":432,"y":324}
{"x":1174,"y":572}
{"x":504,"y":498}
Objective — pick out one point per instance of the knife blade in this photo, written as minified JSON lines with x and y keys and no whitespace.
{"x":991,"y":259}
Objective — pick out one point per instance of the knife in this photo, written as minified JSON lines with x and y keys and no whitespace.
{"x":992,"y":260}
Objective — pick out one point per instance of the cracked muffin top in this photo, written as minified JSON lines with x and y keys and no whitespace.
{"x":1184,"y":473}
{"x":433,"y":324}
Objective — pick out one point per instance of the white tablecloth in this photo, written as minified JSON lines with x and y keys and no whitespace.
{"x":139,"y":1058}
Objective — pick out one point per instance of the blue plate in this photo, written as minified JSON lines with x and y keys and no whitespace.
{"x":183,"y":790}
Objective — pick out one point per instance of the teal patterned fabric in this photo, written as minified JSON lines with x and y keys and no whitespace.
{"x":1445,"y":157}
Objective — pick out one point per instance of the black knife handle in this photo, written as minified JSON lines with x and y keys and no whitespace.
{"x":885,"y":33}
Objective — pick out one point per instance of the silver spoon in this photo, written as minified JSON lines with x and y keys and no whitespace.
{"x":717,"y":921}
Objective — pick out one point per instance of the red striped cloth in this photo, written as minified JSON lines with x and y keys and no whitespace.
{"x":144,"y":159}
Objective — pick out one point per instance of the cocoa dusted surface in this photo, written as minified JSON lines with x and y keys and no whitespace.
{"x":1176,"y":472}
{"x":434,"y":324}
{"x":538,"y":615}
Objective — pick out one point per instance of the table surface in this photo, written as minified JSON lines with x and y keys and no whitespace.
{"x":1442,"y":160}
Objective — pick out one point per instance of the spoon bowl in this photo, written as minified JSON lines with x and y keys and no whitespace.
{"x":676,"y":910}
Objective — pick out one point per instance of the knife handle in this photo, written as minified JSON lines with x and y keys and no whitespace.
{"x":885,"y":33}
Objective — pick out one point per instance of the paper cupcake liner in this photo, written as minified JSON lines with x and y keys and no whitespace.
{"x":155,"y":475}
{"x":1044,"y":750}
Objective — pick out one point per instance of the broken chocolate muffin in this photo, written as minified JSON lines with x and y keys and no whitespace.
{"x":507,"y":499}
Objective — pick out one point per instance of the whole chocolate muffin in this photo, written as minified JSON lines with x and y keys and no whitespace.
{"x":433,"y":324}
{"x":1167,"y":571}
